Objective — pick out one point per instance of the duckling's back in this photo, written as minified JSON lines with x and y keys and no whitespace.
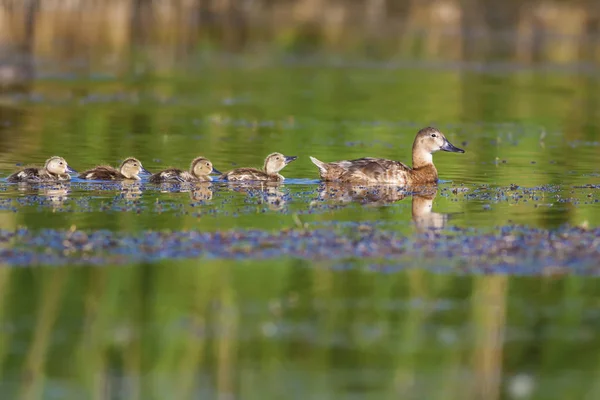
{"x":173,"y":175}
{"x":27,"y":175}
{"x":249,"y":174}
{"x":101,"y":173}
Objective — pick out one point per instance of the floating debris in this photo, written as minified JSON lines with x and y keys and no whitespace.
{"x":513,"y":250}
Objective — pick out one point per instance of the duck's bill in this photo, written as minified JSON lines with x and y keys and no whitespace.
{"x":145,"y":171}
{"x":451,"y":148}
{"x":71,"y":170}
{"x":289,"y":159}
{"x":216,"y":172}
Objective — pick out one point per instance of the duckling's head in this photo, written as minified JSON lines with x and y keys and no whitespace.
{"x":275,"y":162}
{"x":131,"y":168}
{"x":58,"y":166}
{"x":428,"y":141}
{"x":202,"y":167}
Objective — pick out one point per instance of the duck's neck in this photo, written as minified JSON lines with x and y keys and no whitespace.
{"x":421,"y":159}
{"x":50,"y":172}
{"x":131,"y":176}
{"x":423,"y":163}
{"x":270,"y":172}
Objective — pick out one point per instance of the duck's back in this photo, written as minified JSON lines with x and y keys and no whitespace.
{"x":365,"y":170}
{"x":172,"y":175}
{"x":31,"y":175}
{"x":249,"y":174}
{"x":102,"y":173}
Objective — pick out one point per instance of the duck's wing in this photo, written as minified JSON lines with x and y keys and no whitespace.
{"x":375,"y":170}
{"x":367,"y":169}
{"x":245,"y":174}
{"x":170,"y":175}
{"x":26,"y":175}
{"x":101,"y":173}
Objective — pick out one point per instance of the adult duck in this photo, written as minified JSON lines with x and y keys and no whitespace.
{"x":379,"y":170}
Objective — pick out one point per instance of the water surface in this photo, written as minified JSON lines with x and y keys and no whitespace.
{"x":255,"y":317}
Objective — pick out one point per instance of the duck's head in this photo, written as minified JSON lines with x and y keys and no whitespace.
{"x":275,"y":162}
{"x":131,"y":168}
{"x":202,"y":167}
{"x":428,"y":141}
{"x":432,"y":140}
{"x":58,"y":166}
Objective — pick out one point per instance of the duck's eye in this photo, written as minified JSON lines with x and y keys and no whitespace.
{"x":433,"y":135}
{"x":61,"y":163}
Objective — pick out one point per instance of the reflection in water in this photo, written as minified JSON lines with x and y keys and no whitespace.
{"x":55,"y":193}
{"x":199,"y":191}
{"x":379,"y":195}
{"x":130,"y":189}
{"x":373,"y":195}
{"x":434,"y":336}
{"x":268,"y":193}
{"x":423,"y":217}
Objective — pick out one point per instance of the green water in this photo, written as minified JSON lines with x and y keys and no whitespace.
{"x":294,"y":328}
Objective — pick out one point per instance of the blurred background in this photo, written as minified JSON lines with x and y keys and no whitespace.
{"x":106,"y":34}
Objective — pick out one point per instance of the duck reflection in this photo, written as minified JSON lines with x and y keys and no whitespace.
{"x":261,"y":192}
{"x":131,"y":190}
{"x":199,"y":191}
{"x":378,"y":195}
{"x":54,"y":193}
{"x":423,"y":216}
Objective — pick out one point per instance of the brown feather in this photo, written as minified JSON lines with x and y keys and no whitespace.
{"x":175,"y":175}
{"x":102,"y":173}
{"x":366,"y":170}
{"x":250,"y":174}
{"x":34,"y":174}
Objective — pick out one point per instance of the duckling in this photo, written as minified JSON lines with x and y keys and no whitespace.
{"x":379,"y":170}
{"x":131,"y":168}
{"x":55,"y":169}
{"x":200,"y":169}
{"x":274,"y":163}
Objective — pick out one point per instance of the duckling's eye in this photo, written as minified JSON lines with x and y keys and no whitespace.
{"x":61,"y":163}
{"x":207,"y":164}
{"x":433,"y":135}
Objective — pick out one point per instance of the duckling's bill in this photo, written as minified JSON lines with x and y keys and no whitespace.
{"x":289,"y":159}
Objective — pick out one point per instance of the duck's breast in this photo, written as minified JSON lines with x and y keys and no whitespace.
{"x":424,"y":175}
